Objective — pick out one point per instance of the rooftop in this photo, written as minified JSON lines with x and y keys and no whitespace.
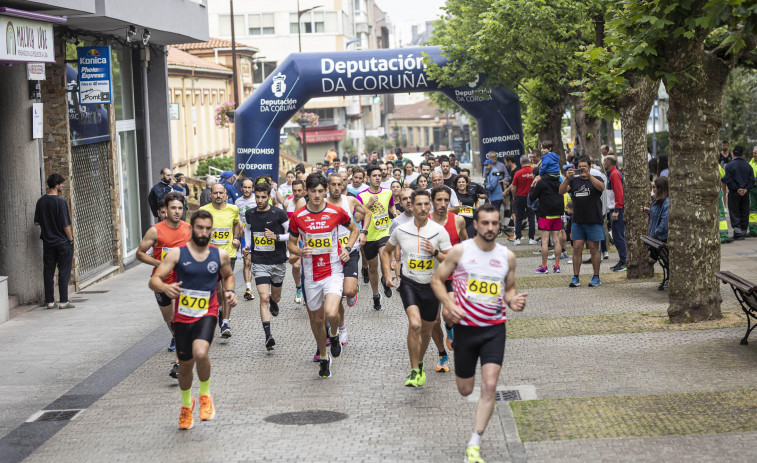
{"x":214,"y":42}
{"x":178,"y":57}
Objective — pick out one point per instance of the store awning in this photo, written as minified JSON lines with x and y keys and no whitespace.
{"x":321,"y":136}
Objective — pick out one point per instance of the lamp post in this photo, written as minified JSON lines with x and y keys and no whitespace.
{"x":304,"y":122}
{"x":234,"y":57}
{"x":299,"y":24}
{"x":654,"y":130}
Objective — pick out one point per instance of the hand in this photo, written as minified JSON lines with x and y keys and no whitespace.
{"x":307,"y":251}
{"x":246,"y":251}
{"x":371,"y":200}
{"x":570,"y":173}
{"x":361,"y":239}
{"x":236,"y":243}
{"x":644,"y":209}
{"x":426,"y":246}
{"x":741,"y":191}
{"x":392,"y":282}
{"x":270,"y":235}
{"x":518,"y":303}
{"x":231,"y":298}
{"x":173,"y":290}
{"x":615,"y":216}
{"x":453,"y":313}
{"x":274,"y":185}
{"x":344,"y":255}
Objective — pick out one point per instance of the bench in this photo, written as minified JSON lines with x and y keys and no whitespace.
{"x":746,"y":293}
{"x":659,"y":252}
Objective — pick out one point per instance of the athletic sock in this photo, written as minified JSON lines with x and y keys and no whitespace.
{"x":475,"y":439}
{"x":448,"y":326}
{"x":543,"y":263}
{"x":186,"y":397}
{"x":267,"y":328}
{"x":249,"y":285}
{"x":299,"y":287}
{"x":442,"y":352}
{"x":377,"y":296}
{"x":225,"y":320}
{"x":342,"y":328}
{"x":204,"y":387}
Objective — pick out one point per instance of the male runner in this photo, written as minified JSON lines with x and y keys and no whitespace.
{"x":244,"y":203}
{"x":322,"y":263}
{"x":380,"y":202}
{"x":357,"y":185}
{"x":455,"y":226}
{"x":358,"y":212}
{"x":226,"y":234}
{"x":421,"y":241}
{"x":480,"y":268}
{"x":298,"y":192}
{"x":197,"y":266}
{"x":172,"y":232}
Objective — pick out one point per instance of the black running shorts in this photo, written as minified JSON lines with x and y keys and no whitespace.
{"x":162,"y":299}
{"x":473,"y":342}
{"x":186,"y":333}
{"x":371,"y":248}
{"x":351,"y":267}
{"x":414,"y":293}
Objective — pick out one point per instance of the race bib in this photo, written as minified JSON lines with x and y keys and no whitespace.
{"x":194,"y":303}
{"x":420,"y":265}
{"x":322,"y":243}
{"x":262,"y":243}
{"x":483,"y":289}
{"x":466,"y":211}
{"x":381,"y":221}
{"x":344,"y":237}
{"x":221,"y":236}
{"x":163,"y":252}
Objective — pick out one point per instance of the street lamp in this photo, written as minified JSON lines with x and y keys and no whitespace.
{"x":304,"y":122}
{"x":299,"y":26}
{"x":654,"y":129}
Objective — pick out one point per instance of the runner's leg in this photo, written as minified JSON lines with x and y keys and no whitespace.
{"x":414,"y":340}
{"x":485,"y":405}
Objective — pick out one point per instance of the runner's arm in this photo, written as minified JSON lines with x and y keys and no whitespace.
{"x":462,"y":232}
{"x":386,"y":259}
{"x":165,"y":267}
{"x":445,"y":269}
{"x":227,"y":278}
{"x":148,"y":241}
{"x":362,"y":210}
{"x":515,"y":301}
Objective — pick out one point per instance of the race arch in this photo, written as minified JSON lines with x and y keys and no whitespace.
{"x":302,"y":76}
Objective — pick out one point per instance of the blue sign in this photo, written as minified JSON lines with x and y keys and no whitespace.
{"x":86,"y":124}
{"x":95,"y":76}
{"x":302,"y":76}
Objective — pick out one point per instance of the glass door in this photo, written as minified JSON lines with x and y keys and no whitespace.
{"x":127,"y":165}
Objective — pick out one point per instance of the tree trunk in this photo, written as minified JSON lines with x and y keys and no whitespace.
{"x":588,"y":129}
{"x":611,"y":124}
{"x":552,"y":130}
{"x":634,"y":106}
{"x":694,"y":118}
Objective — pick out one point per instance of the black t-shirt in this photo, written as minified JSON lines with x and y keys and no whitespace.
{"x":587,"y":201}
{"x":262,"y":251}
{"x":52,"y":216}
{"x":448,"y":181}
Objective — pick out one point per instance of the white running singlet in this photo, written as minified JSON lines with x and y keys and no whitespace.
{"x":344,"y":232}
{"x":479,"y":284}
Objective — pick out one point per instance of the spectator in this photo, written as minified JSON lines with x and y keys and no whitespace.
{"x":662,"y":166}
{"x":205,"y":195}
{"x":753,"y":196}
{"x":493,"y":187}
{"x":615,"y":203}
{"x":180,"y":184}
{"x":354,"y":159}
{"x":159,"y":190}
{"x":546,"y":192}
{"x":550,"y":161}
{"x":739,"y":177}
{"x":286,"y":188}
{"x":658,"y":211}
{"x":725,"y":156}
{"x":587,"y":219}
{"x":227,"y":180}
{"x":522,"y":181}
{"x":56,"y":233}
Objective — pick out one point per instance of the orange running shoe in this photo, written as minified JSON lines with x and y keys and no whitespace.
{"x":207,"y":410}
{"x":185,"y":418}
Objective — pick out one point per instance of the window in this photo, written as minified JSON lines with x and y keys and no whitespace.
{"x":264,"y":69}
{"x":325,"y":115}
{"x":224,"y":25}
{"x":315,"y":22}
{"x":260,"y":24}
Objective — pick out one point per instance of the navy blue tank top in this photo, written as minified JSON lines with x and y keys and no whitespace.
{"x":198,"y":286}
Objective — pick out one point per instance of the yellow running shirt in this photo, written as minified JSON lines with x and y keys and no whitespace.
{"x":224,"y":221}
{"x":380,"y":220}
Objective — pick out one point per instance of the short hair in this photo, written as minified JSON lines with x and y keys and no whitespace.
{"x":218,"y":184}
{"x":173,"y":196}
{"x":289,"y":172}
{"x":458,"y":177}
{"x":178,"y":175}
{"x":247,"y":179}
{"x":487,"y":207}
{"x":200,"y":214}
{"x":439,"y":189}
{"x":262,"y":187}
{"x":210,"y":181}
{"x":510,"y":157}
{"x":490,"y":153}
{"x":584,"y":159}
{"x":396,"y":169}
{"x":465,"y":169}
{"x":54,"y":180}
{"x":547,"y":145}
{"x":372,"y":168}
{"x":357,"y":170}
{"x":443,"y":158}
{"x":318,"y":163}
{"x":334,"y":175}
{"x":298,"y":182}
{"x":436,"y":172}
{"x":425,"y":163}
{"x":299,"y":168}
{"x":161,"y":204}
{"x":611,"y":159}
{"x":315,"y":180}
{"x":398,"y":151}
{"x":427,"y":152}
{"x":417,"y":193}
{"x":738,"y":150}
{"x":163,"y":170}
{"x":525,"y":160}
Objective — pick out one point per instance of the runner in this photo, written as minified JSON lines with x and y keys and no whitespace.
{"x":379,"y":201}
{"x":357,"y":212}
{"x":172,"y":232}
{"x":357,"y":185}
{"x":226,"y":234}
{"x":455,"y":227}
{"x":267,"y":252}
{"x":480,"y":268}
{"x":468,"y":198}
{"x":420,"y":242}
{"x":322,"y":263}
{"x":244,"y":203}
{"x":298,"y":191}
{"x":196,"y":308}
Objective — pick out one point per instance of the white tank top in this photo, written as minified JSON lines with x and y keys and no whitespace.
{"x":479,"y":284}
{"x":344,"y":232}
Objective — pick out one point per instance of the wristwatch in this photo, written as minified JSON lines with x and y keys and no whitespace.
{"x":436,"y":252}
{"x":364,"y":232}
{"x":348,"y":249}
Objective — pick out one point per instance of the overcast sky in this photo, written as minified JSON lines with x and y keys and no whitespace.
{"x":405,"y":13}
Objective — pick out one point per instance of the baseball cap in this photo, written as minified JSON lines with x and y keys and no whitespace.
{"x":227,"y":174}
{"x":489,"y":162}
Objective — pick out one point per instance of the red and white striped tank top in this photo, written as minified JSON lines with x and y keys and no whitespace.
{"x":479,"y":284}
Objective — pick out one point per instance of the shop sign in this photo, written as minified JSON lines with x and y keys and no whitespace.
{"x":95,"y":76}
{"x":23,"y":41}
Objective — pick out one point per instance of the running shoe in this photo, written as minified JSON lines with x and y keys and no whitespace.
{"x":336,"y":346}
{"x":366,"y":279}
{"x":516,"y":242}
{"x":542,"y":270}
{"x":387,"y":290}
{"x":605,"y":255}
{"x":619,"y":267}
{"x":422,"y":375}
{"x":450,"y":338}
{"x":443,"y":365}
{"x":298,"y":296}
{"x":574,"y":283}
{"x":325,"y":371}
{"x":564,"y":255}
{"x":512,"y":238}
{"x":317,"y":356}
{"x":472,"y":454}
{"x":248,"y":295}
{"x":376,"y":302}
{"x":274,"y":307}
{"x":412,"y":380}
{"x":174,"y":373}
{"x":225,"y":330}
{"x":594,"y":281}
{"x":533,"y":242}
{"x":556,"y":269}
{"x":343,"y":335}
{"x":269,"y":342}
{"x":172,"y":345}
{"x":351,"y":301}
{"x":207,"y":410}
{"x":185,"y":417}
{"x":551,"y":257}
{"x":67,"y":305}
{"x":52,"y":305}
{"x":536,"y":252}
{"x":587,"y":260}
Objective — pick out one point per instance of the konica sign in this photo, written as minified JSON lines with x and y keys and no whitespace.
{"x":303,"y":76}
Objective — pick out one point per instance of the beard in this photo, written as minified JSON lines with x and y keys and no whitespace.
{"x":488,"y":237}
{"x":201,"y":241}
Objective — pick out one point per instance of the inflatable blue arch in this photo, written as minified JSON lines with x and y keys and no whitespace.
{"x":302,"y":76}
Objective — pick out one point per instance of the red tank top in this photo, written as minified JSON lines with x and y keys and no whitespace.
{"x":451,"y":228}
{"x":169,"y":238}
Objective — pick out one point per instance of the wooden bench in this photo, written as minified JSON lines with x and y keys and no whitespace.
{"x":659,"y":252}
{"x":746,"y":293}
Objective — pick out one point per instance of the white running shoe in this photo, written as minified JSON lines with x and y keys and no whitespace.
{"x":343,"y":335}
{"x":516,"y":242}
{"x":533,"y":242}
